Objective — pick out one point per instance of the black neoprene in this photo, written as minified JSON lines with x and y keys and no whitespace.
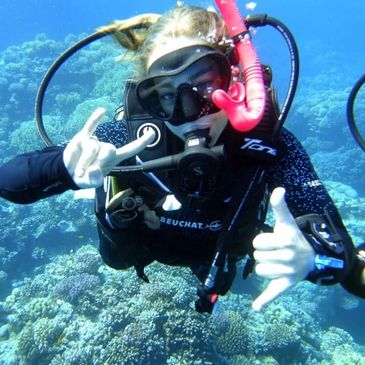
{"x":33,"y":176}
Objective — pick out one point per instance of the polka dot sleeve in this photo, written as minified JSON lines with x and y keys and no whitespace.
{"x":294,"y":171}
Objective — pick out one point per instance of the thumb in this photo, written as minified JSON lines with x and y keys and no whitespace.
{"x":135,"y":146}
{"x":281,"y":211}
{"x":273,"y":290}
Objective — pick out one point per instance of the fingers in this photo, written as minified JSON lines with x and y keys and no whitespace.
{"x":273,"y":271}
{"x":89,"y":160}
{"x":134,"y":147}
{"x":89,"y":150}
{"x":99,"y":158}
{"x":95,"y":162}
{"x":285,"y":255}
{"x":78,"y":143}
{"x":105,"y":157}
{"x":71,"y":155}
{"x":274,"y":289}
{"x":93,"y":177}
{"x":90,"y":126}
{"x":266,"y":241}
{"x":273,"y":258}
{"x":280,"y":209}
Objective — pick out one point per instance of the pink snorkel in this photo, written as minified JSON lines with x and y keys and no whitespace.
{"x":245,"y":104}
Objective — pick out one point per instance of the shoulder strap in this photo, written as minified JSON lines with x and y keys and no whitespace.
{"x":137,"y":119}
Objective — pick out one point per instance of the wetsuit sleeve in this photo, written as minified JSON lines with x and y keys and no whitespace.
{"x":33,"y":176}
{"x":305,"y":193}
{"x":36,"y":175}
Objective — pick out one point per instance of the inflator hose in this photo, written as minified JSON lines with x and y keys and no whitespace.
{"x":48,"y":77}
{"x":350,"y":112}
{"x":261,"y":20}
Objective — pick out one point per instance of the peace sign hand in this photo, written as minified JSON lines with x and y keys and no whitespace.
{"x":88,"y":160}
{"x":284,"y":256}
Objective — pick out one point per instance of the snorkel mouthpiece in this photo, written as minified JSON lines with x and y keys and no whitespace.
{"x":244,"y":104}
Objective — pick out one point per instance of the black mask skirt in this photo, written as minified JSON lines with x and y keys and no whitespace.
{"x":180,"y":84}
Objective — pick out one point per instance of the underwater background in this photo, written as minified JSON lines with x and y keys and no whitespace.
{"x":59,"y":304}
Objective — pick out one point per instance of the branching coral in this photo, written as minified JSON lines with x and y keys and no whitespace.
{"x":232,"y":336}
{"x":37,"y":342}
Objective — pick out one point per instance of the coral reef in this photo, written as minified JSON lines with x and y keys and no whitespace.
{"x":232,"y":334}
{"x":78,"y":311}
{"x":70,"y":289}
{"x":351,"y":207}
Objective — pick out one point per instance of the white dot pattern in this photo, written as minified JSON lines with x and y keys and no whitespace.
{"x":294,"y":171}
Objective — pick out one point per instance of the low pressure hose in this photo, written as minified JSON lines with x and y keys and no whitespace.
{"x":261,"y":20}
{"x":48,"y":76}
{"x":350,"y":112}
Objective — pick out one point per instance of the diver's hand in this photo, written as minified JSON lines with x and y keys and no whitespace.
{"x":284,"y":256}
{"x":88,"y":160}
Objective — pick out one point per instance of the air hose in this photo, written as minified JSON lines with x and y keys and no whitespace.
{"x":350,"y":112}
{"x":49,"y":75}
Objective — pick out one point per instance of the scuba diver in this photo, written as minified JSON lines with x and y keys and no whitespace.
{"x":184,"y":172}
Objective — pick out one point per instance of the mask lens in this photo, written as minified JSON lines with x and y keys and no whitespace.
{"x":160,"y":95}
{"x":207,"y":76}
{"x":157,"y":96}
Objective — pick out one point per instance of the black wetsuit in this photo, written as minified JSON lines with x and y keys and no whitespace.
{"x":189,"y":235}
{"x":186,"y":236}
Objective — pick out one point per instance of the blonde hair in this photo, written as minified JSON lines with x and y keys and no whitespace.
{"x":143,"y":33}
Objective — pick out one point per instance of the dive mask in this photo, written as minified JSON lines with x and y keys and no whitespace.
{"x":180,"y":84}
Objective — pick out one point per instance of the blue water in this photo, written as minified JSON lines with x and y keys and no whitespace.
{"x":326,"y":323}
{"x":337,"y":23}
